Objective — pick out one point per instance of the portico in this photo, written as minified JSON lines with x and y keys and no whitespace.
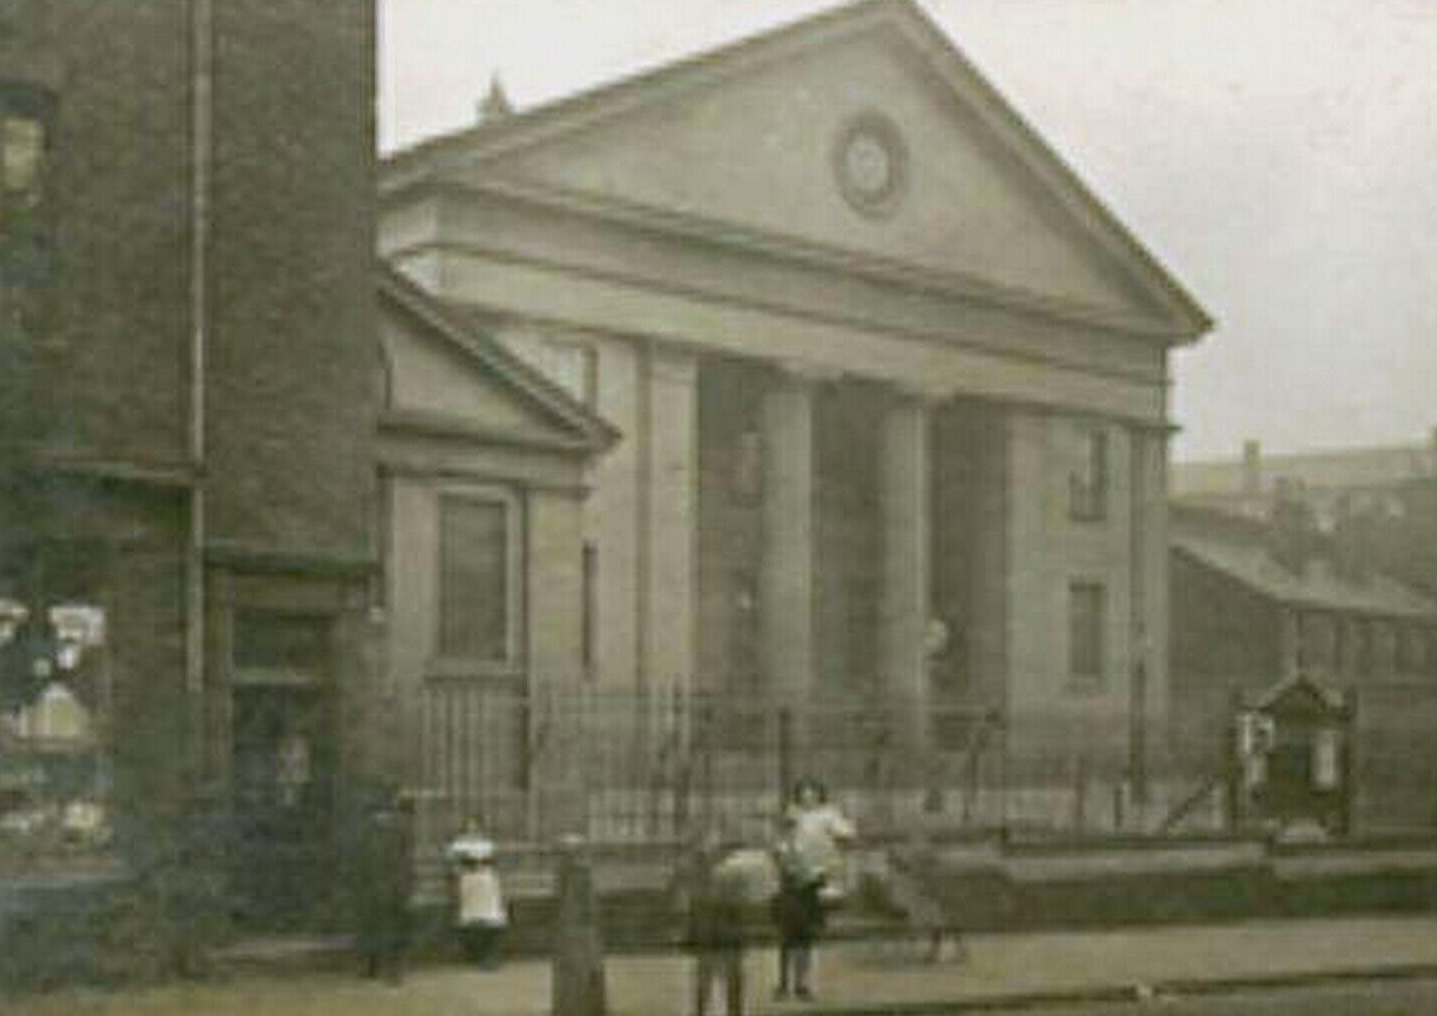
{"x":891,"y":382}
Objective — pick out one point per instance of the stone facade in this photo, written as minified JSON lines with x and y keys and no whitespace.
{"x":857,"y":342}
{"x":467,"y":423}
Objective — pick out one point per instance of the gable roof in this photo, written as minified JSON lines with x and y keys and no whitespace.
{"x":588,"y":429}
{"x":1319,"y":585}
{"x":1301,"y":694}
{"x":434,"y":159}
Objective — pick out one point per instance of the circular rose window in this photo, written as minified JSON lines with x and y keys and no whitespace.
{"x":871,"y":163}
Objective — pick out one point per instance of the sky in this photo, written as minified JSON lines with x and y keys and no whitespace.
{"x":1278,"y":156}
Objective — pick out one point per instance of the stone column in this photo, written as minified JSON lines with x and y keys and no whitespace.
{"x":905,"y":475}
{"x":670,"y":513}
{"x":786,"y":589}
{"x":1148,"y":692}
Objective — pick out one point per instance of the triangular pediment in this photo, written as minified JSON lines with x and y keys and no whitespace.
{"x":1301,"y":696}
{"x":862,"y":131}
{"x":442,"y":376}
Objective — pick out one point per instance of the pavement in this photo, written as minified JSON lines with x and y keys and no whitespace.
{"x":1001,"y":972}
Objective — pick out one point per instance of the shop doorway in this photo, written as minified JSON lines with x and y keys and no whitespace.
{"x":284,"y":737}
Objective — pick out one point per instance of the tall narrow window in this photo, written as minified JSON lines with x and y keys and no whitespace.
{"x":1362,"y":651}
{"x":1384,"y":648}
{"x":1088,"y":477}
{"x":591,"y":607}
{"x":474,"y":579}
{"x":1086,"y":609}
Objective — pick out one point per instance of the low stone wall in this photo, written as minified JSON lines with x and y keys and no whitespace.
{"x":992,"y":885}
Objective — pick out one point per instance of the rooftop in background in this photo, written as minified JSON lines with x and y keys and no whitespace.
{"x":1245,"y":485}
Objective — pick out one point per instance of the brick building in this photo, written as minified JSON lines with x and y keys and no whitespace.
{"x":188,"y":395}
{"x":1252,"y":608}
{"x":889,"y":376}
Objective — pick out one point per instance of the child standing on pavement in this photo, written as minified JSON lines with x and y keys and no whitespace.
{"x":480,"y":914}
{"x":797,"y":910}
{"x":713,"y":892}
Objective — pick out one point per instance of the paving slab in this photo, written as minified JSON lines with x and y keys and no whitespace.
{"x":1003,"y":971}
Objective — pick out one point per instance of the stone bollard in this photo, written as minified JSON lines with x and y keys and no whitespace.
{"x":578,"y":976}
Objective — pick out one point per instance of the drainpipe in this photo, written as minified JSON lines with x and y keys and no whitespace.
{"x":201,"y":151}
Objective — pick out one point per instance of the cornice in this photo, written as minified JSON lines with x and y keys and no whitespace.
{"x":721,"y":298}
{"x":748,"y":241}
{"x":466,"y":150}
{"x":424,"y":423}
{"x":397,"y":466}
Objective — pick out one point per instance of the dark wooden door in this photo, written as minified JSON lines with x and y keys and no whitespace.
{"x":284,"y":806}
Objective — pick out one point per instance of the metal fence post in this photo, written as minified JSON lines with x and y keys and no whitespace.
{"x":1080,"y":792}
{"x":578,"y":974}
{"x":683,"y":761}
{"x":706,"y":760}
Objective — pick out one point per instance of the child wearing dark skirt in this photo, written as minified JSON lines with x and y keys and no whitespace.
{"x":797,"y":910}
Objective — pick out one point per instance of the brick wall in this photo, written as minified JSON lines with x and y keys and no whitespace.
{"x":110,"y":354}
{"x":293,"y":353}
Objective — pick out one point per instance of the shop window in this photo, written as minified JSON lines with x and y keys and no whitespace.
{"x":1088,"y":474}
{"x":54,"y":759}
{"x":477,"y":546}
{"x":1087,"y":606}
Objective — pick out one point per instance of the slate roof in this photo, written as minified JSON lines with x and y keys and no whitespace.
{"x":1319,"y":585}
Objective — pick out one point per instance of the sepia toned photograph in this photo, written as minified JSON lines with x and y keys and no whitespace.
{"x":718,"y":507}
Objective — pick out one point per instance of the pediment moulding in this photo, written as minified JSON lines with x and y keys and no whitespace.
{"x":861,"y":133}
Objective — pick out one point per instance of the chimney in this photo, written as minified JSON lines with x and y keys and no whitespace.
{"x":1251,"y":468}
{"x":495,"y":105}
